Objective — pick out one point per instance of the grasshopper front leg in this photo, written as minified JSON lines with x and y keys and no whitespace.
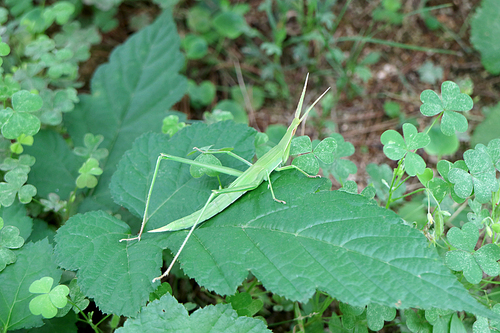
{"x":222,"y":169}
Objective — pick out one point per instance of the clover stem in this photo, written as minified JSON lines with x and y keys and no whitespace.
{"x":433,"y":123}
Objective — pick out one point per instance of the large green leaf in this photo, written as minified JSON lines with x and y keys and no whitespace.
{"x":130,"y":96}
{"x":117,"y":277}
{"x":56,"y":166}
{"x":485,"y":21}
{"x":34,"y":261}
{"x":167,"y":315}
{"x":176,"y":191}
{"x":339,"y":243}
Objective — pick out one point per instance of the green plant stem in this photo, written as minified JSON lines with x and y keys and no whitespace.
{"x":87,"y":320}
{"x":394,"y":44}
{"x":394,"y":176}
{"x":408,"y":194}
{"x":433,"y":123}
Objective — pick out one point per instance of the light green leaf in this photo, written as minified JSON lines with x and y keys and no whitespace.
{"x":130,"y":96}
{"x":34,"y":261}
{"x":14,"y":184}
{"x":171,"y":316}
{"x":394,"y":145}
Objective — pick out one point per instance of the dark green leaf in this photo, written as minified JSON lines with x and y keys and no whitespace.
{"x":34,"y":261}
{"x":166,"y":315}
{"x":130,"y":95}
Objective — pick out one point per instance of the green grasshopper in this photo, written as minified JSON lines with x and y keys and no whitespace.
{"x":246,"y":181}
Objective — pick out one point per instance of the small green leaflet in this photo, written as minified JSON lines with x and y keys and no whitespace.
{"x":20,"y":120}
{"x":50,"y":299}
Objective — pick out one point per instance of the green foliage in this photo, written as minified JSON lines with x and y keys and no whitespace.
{"x":9,"y":239}
{"x":172,"y":317}
{"x":483,"y":22}
{"x":95,"y":152}
{"x":451,"y":100}
{"x":50,"y":299}
{"x":135,"y":102}
{"x":396,"y":148}
{"x":473,"y":263}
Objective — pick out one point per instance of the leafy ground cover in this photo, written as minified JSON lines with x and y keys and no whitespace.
{"x":400,"y":233}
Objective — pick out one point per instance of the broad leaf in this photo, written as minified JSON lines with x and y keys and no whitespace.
{"x":130,"y":96}
{"x":34,"y":261}
{"x":339,"y":243}
{"x":167,"y":315}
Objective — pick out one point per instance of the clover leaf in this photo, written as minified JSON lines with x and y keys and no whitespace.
{"x":55,"y":103}
{"x":19,"y":120}
{"x":24,"y":163}
{"x":376,"y":314}
{"x":444,"y":167}
{"x":91,"y":142}
{"x":17,"y":147}
{"x":451,"y":100}
{"x":15,"y":185}
{"x":88,"y":171}
{"x":310,"y":158}
{"x":9,"y":239}
{"x":481,"y":176}
{"x":54,"y":203}
{"x":171,"y":125}
{"x":493,"y":150}
{"x":472,"y":263}
{"x":50,"y":299}
{"x":395,"y":147}
{"x":478,"y":215}
{"x":340,"y":168}
{"x":198,"y":171}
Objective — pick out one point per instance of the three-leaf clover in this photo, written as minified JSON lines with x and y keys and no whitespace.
{"x":395,"y":147}
{"x":54,"y":203}
{"x":19,"y":120}
{"x":17,"y":147}
{"x":14,"y":184}
{"x":9,"y":239}
{"x":56,"y":102}
{"x":340,"y":168}
{"x":24,"y":163}
{"x":88,"y":171}
{"x":171,"y":125}
{"x":198,"y":171}
{"x":91,"y":142}
{"x":50,"y":299}
{"x":472,"y":263}
{"x":481,"y":176}
{"x":309,"y":157}
{"x":451,"y":100}
{"x":376,"y":314}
